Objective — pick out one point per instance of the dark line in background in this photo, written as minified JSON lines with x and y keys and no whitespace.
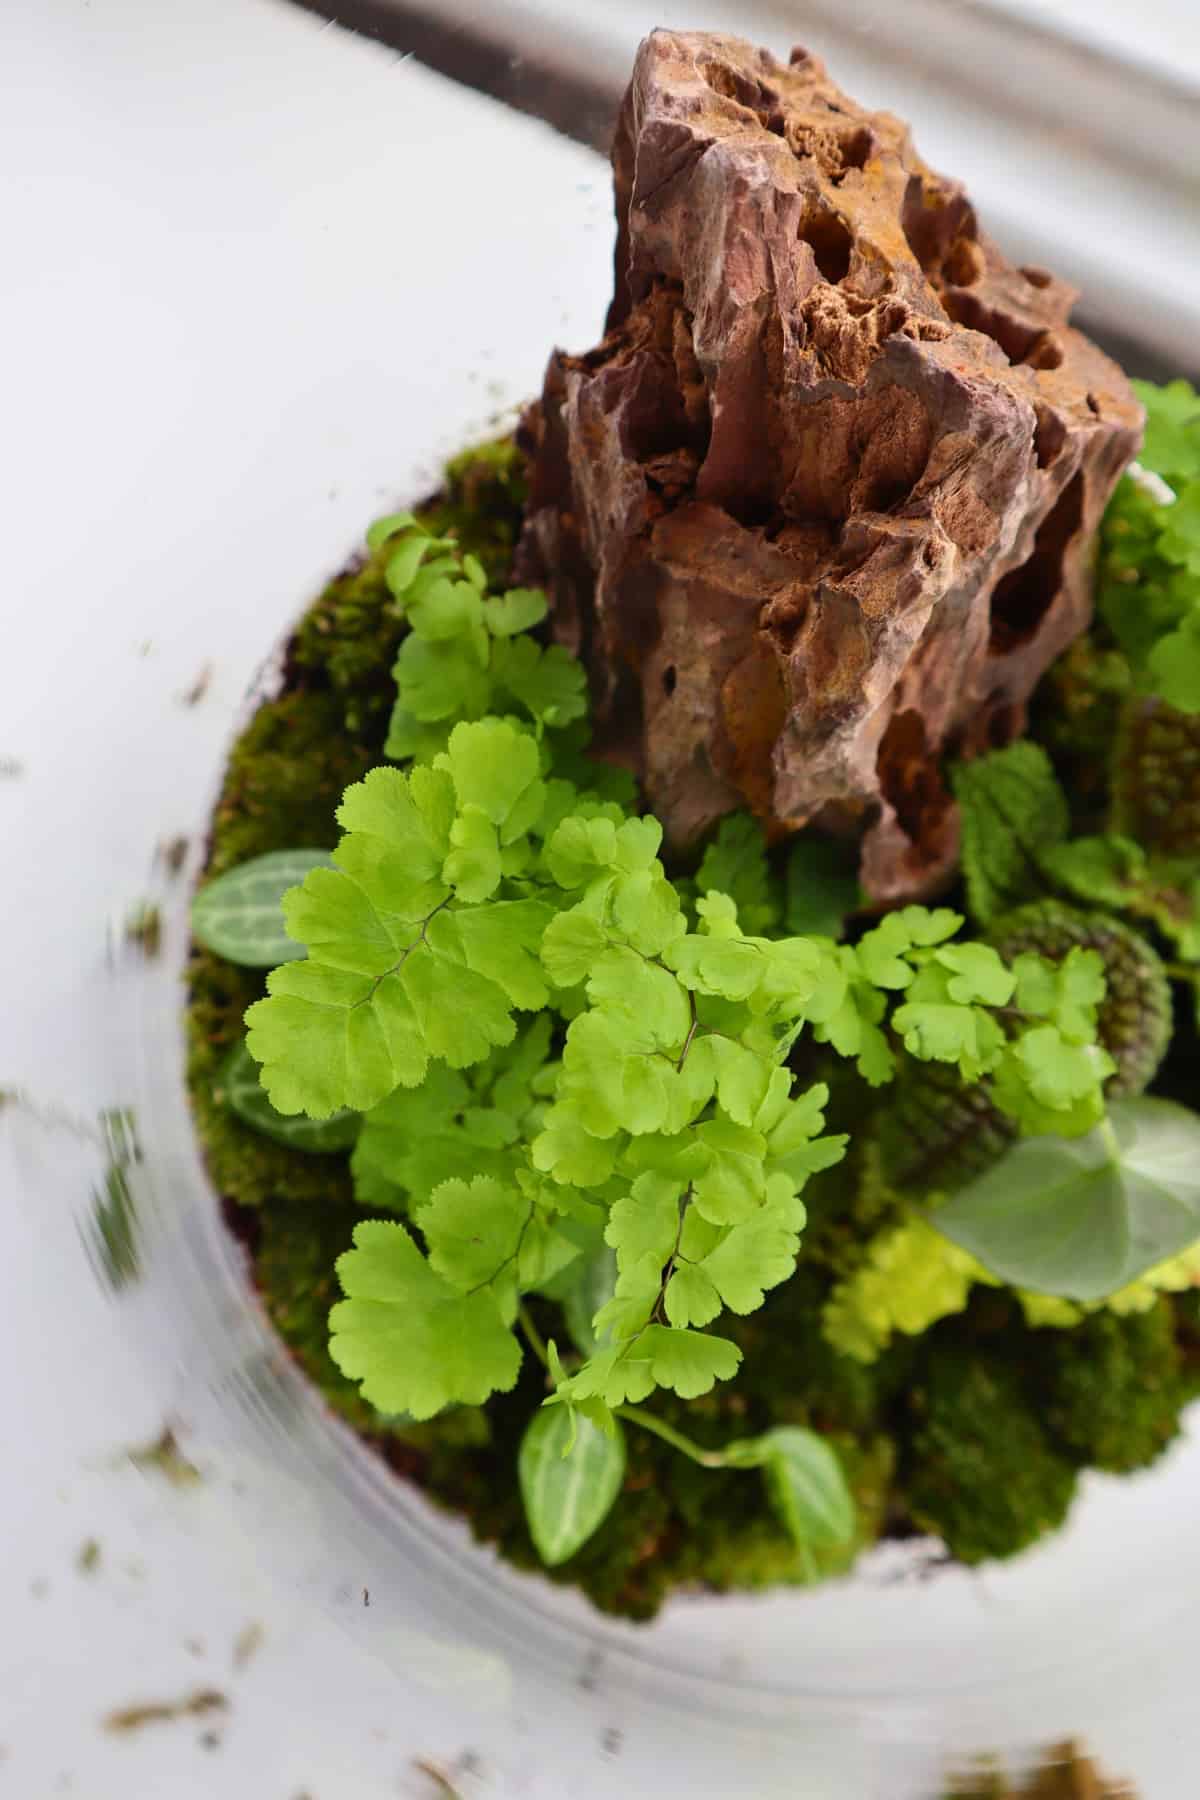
{"x":574,"y":106}
{"x":580,"y":109}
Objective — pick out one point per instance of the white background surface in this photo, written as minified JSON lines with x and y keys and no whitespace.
{"x":226,"y":230}
{"x":227,"y":346}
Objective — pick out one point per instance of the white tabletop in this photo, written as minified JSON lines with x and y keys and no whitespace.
{"x":260,"y":275}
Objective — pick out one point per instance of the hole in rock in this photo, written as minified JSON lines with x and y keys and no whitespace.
{"x":670,"y":680}
{"x":909,"y":778}
{"x":732,"y":84}
{"x":964,"y":263}
{"x":1047,"y":353}
{"x":1038,"y":278}
{"x":1015,"y":337}
{"x":830,"y":242}
{"x":1049,"y":436}
{"x":933,"y":219}
{"x":1024,"y":597}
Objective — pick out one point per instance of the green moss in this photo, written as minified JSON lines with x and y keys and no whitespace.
{"x":1114,"y":1387}
{"x":980,"y":1468}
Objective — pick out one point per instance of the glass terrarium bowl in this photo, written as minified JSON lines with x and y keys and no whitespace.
{"x":293,"y":317}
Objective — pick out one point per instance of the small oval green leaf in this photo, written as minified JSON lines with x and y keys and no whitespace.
{"x":568,"y":1492}
{"x":807,"y":1487}
{"x":1083,"y":1217}
{"x":239,"y":1088}
{"x":240,"y":916}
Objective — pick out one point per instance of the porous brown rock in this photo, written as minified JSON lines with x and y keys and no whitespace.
{"x":816,"y":511}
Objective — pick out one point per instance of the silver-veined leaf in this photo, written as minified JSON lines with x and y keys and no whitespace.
{"x":568,"y":1487}
{"x":239,"y":1087}
{"x":239,"y":915}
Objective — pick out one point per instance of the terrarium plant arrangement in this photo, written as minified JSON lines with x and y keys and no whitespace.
{"x":694,"y":1004}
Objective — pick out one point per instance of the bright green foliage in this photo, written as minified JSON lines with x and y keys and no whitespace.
{"x":399,"y":970}
{"x":1132,"y":1022}
{"x":414,"y":1341}
{"x":240,"y":915}
{"x":1172,"y":443}
{"x":1149,"y":591}
{"x":1114,"y":872}
{"x":570,"y":1474}
{"x":1013,"y":812}
{"x":465,"y":655}
{"x":457,"y":1123}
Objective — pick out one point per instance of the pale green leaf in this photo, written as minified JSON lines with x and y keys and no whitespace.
{"x":570,"y":1473}
{"x":240,"y":915}
{"x":807,"y":1487}
{"x":517,"y":610}
{"x":1083,"y":1217}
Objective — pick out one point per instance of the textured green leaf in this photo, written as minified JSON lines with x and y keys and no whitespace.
{"x":646,"y":996}
{"x":645,"y":1223}
{"x":1013,"y":811}
{"x":1083,"y":1217}
{"x":977,"y":973}
{"x":411,"y":1340}
{"x":328,"y":1039}
{"x":754,"y":1257}
{"x":240,"y":915}
{"x":238,"y":1087}
{"x":570,"y":1475}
